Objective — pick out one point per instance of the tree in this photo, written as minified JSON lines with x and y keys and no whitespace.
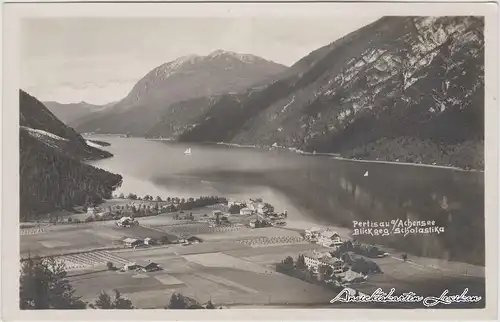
{"x":183,"y":200}
{"x":122,"y":303}
{"x":104,"y":302}
{"x":164,"y":240}
{"x":301,"y":263}
{"x":234,"y":209}
{"x":44,"y":285}
{"x":158,"y":198}
{"x":121,"y":196}
{"x":288,"y":263}
{"x":179,"y":301}
{"x":132,"y":196}
{"x":109,"y":265}
{"x":325,"y":271}
{"x":309,"y":275}
{"x":210,"y":305}
{"x":168,"y":199}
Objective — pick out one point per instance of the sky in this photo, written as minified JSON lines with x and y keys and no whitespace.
{"x":98,"y":60}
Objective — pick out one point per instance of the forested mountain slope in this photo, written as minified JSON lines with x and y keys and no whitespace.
{"x":403,"y":88}
{"x":52,"y":175}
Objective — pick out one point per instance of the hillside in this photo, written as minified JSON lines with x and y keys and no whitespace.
{"x":52,"y":175}
{"x":407,"y":88}
{"x":73,"y":114}
{"x":191,"y":77}
{"x":38,"y":121}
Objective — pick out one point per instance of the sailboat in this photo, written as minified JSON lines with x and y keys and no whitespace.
{"x":188,"y":151}
{"x":366,"y":174}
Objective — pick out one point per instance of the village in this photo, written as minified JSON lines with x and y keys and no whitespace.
{"x":149,"y":248}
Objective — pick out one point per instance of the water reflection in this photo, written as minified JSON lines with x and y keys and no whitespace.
{"x":339,"y":192}
{"x":332,"y":191}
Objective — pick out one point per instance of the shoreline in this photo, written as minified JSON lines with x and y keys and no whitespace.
{"x":335,"y":156}
{"x":409,"y":164}
{"x":307,"y":219}
{"x":452,"y":268}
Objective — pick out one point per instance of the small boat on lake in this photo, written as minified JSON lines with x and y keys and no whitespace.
{"x":188,"y":151}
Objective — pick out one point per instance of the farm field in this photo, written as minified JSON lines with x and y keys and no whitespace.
{"x":233,"y":266}
{"x":224,"y":279}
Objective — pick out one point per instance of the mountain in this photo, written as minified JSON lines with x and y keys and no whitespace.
{"x":52,"y":175}
{"x":401,"y":88}
{"x":73,"y":114}
{"x":190,"y":77}
{"x":39,"y":122}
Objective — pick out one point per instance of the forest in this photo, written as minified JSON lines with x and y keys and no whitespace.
{"x":50,"y":180}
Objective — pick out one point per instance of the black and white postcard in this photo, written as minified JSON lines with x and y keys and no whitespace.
{"x":250,"y":160}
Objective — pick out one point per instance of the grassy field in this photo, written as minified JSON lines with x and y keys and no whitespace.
{"x":73,"y":238}
{"x":231,"y":267}
{"x":201,"y":277}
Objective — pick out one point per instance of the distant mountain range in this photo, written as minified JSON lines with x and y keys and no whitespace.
{"x":191,"y":77}
{"x":402,"y":88}
{"x":52,"y":175}
{"x":73,"y":114}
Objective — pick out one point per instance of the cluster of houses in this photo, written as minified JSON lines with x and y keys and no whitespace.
{"x":313,"y":260}
{"x":324,"y":237}
{"x":130,"y":242}
{"x":254,"y":207}
{"x":218,"y":218}
{"x":141,"y":266}
{"x":350,"y":267}
{"x":266,"y":216}
{"x":126,"y":222}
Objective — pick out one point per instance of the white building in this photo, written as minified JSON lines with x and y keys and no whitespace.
{"x":312,"y":233}
{"x":246,"y":211}
{"x":314,"y":259}
{"x":129,"y":266}
{"x":329,"y":238}
{"x":91,"y":211}
{"x":235,"y":203}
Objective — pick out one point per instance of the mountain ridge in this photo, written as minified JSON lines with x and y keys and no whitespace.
{"x":397,"y":77}
{"x":188,"y":77}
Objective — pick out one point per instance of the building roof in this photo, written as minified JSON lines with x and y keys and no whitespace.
{"x":316,"y":255}
{"x":329,"y":234}
{"x":130,"y":240}
{"x":144,"y":263}
{"x":351,"y":275}
{"x":330,"y":260}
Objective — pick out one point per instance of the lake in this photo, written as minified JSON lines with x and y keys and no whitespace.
{"x":315,"y":190}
